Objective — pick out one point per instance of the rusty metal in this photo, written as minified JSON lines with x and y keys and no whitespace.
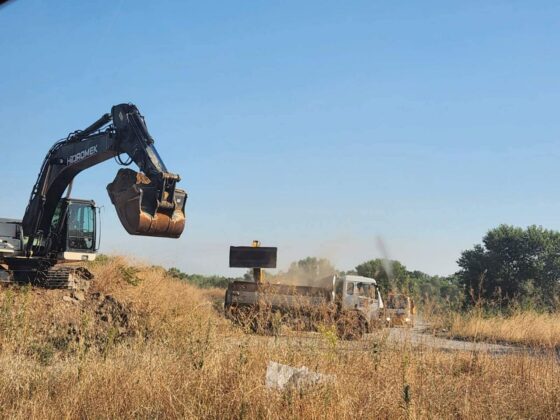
{"x":135,"y":199}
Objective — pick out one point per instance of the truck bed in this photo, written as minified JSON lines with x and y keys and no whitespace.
{"x":247,"y":293}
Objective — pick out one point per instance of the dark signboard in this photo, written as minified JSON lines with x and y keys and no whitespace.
{"x":252,"y":257}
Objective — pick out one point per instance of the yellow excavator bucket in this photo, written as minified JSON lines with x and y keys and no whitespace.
{"x":136,"y":201}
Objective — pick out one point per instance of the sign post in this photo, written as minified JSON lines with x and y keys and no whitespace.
{"x":255,"y":257}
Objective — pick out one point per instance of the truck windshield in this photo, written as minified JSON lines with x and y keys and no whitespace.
{"x":366,"y":290}
{"x":81,"y":227}
{"x":397,"y":302}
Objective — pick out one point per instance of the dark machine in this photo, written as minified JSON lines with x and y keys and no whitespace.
{"x":56,"y":231}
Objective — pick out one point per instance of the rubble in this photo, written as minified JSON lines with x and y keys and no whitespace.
{"x":79,"y":295}
{"x":280,"y":377}
{"x":67,"y":299}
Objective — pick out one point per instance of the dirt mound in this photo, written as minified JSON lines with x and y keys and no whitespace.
{"x":127,"y":304}
{"x":94,"y":323}
{"x":113,"y":312}
{"x":54,"y":324}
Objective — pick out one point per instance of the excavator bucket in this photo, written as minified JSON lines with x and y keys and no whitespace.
{"x":136,"y":201}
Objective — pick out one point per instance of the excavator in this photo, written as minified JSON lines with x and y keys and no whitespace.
{"x":57,"y":234}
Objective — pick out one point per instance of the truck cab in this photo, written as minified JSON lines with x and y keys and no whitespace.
{"x":10,"y":244}
{"x":10,"y":237}
{"x":399,"y":310}
{"x":358,"y":293}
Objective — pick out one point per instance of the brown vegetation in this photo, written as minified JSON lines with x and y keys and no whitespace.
{"x":526,"y":328}
{"x":142,"y":345}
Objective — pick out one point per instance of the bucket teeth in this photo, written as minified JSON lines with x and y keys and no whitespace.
{"x":135,"y":200}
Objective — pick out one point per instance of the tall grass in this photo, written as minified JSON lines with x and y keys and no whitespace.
{"x":527,"y":328}
{"x":177,"y":357}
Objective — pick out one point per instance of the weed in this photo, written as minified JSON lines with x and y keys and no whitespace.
{"x":130,"y":275}
{"x":189,"y":362}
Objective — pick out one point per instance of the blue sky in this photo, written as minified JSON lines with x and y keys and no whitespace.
{"x":312,"y":126}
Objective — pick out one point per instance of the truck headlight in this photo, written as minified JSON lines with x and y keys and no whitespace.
{"x":407,"y":319}
{"x":388,"y":319}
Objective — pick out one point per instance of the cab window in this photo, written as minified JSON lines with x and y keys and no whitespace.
{"x":366,"y":290}
{"x":402,"y":302}
{"x":339,"y":288}
{"x":81,"y":227}
{"x":350,"y":289}
{"x":56,"y":217}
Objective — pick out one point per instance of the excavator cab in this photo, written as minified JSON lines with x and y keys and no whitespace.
{"x":74,"y":222}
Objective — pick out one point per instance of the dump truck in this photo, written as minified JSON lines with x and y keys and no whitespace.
{"x":399,"y":310}
{"x":351,"y":303}
{"x":56,"y":234}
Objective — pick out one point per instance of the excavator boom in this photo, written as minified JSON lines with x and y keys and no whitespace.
{"x":147,"y":202}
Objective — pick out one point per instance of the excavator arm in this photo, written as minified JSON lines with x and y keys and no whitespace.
{"x":147,"y":203}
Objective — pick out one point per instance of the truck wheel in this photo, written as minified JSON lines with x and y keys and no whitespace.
{"x":242,"y":316}
{"x":267,"y":322}
{"x":227,"y":305}
{"x":261,"y":325}
{"x":275,"y":323}
{"x":350,"y":327}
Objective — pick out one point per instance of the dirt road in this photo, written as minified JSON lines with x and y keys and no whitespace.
{"x":419,"y":336}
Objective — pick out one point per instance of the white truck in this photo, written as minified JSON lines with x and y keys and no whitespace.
{"x":352,"y":303}
{"x":10,"y":243}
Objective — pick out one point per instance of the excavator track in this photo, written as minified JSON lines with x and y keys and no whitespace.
{"x":5,"y":276}
{"x":65,"y":277}
{"x":43,"y":273}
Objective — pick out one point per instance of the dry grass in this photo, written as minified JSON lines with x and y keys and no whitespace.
{"x":176,"y":357}
{"x":526,"y":328}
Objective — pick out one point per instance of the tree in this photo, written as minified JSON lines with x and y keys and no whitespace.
{"x":421,"y":286}
{"x":200,"y":280}
{"x":389,"y":274}
{"x":512,"y":265}
{"x":176,"y":273}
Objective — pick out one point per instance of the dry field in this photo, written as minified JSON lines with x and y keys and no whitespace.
{"x":527,"y":328}
{"x":145,"y":346}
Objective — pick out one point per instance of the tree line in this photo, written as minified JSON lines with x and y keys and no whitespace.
{"x":420,"y":285}
{"x":512,"y":267}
